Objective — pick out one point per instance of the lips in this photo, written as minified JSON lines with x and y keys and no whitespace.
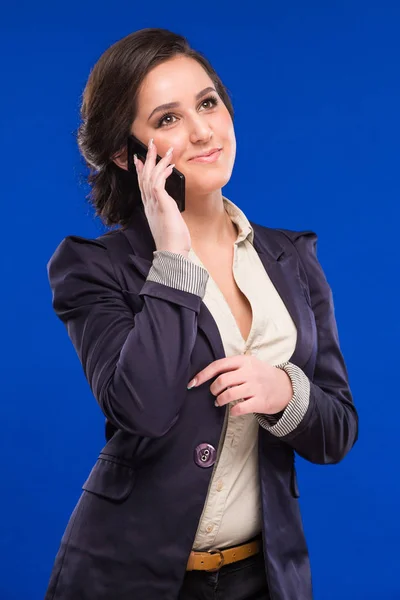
{"x":206,"y":154}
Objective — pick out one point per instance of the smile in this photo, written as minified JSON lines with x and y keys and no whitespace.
{"x":207,"y":159}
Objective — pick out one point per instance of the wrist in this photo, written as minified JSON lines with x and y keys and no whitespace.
{"x":286,"y":387}
{"x":184,"y":253}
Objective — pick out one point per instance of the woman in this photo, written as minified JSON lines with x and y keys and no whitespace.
{"x":209,"y":342}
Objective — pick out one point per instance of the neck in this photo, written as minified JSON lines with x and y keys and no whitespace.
{"x":207,"y":221}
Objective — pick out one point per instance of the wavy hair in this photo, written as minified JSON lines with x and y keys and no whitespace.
{"x":108,"y":110}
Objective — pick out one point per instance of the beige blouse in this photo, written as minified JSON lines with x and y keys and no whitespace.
{"x":232,"y":511}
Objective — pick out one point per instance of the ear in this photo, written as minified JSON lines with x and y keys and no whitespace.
{"x":121,"y":158}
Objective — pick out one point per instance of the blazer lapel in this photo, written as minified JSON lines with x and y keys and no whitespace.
{"x":141,"y":240}
{"x":280,"y":265}
{"x":282,"y":268}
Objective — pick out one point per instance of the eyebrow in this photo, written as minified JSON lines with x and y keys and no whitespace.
{"x":170,"y":105}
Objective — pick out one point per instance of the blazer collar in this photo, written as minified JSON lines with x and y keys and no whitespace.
{"x":141,"y":239}
{"x":279,"y":261}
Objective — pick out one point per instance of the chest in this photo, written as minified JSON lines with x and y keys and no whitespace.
{"x":221,"y":271}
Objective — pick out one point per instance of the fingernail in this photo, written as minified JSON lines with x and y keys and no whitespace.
{"x":151,"y":143}
{"x":191,"y":383}
{"x":169,"y":151}
{"x":135,"y":159}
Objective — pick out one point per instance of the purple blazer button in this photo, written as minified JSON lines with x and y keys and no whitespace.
{"x":205,"y":455}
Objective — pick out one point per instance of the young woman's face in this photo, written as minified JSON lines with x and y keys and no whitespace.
{"x":198,"y":123}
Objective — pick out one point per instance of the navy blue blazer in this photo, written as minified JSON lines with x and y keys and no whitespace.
{"x":140,"y":343}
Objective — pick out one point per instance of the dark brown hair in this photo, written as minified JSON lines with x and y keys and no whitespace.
{"x":109,"y":108}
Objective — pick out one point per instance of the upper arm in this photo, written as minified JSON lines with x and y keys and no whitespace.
{"x":88,"y":299}
{"x":330,"y":368}
{"x":330,"y":426}
{"x":136,"y":356}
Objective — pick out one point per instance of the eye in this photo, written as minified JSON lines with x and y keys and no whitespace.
{"x":163,"y":118}
{"x":211,"y":101}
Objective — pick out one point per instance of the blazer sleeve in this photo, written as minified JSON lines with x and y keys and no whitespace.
{"x":329,"y":427}
{"x":137,"y":363}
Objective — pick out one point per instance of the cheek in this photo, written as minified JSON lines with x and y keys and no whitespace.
{"x":230,"y":135}
{"x":224,"y":126}
{"x":163,"y":145}
{"x":226,"y":135}
{"x":162,"y":142}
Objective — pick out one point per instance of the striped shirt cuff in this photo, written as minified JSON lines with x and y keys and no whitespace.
{"x":295,"y":410}
{"x":179,"y":272}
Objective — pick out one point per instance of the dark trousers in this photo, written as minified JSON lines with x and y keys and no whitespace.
{"x":242,"y":580}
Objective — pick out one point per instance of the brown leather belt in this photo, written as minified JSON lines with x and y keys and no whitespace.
{"x":214,"y":559}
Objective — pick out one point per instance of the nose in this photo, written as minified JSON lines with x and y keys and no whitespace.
{"x":200,"y":130}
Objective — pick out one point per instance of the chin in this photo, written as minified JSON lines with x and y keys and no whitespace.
{"x":209,"y":183}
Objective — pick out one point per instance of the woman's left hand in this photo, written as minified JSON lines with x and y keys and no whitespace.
{"x":263,"y":388}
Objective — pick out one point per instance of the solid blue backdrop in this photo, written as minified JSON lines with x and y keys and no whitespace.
{"x":316,"y":92}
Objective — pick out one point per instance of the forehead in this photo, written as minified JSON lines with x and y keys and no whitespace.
{"x":177,"y":79}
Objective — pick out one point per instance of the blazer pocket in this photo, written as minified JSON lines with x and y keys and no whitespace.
{"x":111,"y":480}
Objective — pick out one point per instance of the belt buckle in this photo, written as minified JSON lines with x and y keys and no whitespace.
{"x":216,"y":551}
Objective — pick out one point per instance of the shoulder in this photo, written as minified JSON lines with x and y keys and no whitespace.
{"x":302,"y":245}
{"x":286,"y":239}
{"x":305,"y":242}
{"x":281,"y":234}
{"x":78,"y":247}
{"x":295,"y":236}
{"x":77,"y":256}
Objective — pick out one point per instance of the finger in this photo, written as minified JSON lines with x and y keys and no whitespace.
{"x":160,"y":166}
{"x":251,"y":405}
{"x":160,"y":172}
{"x":148,"y":167}
{"x":227,"y":379}
{"x":236,"y":392}
{"x":159,"y":192}
{"x":150,"y":161}
{"x":217,"y":367}
{"x":139,"y":172}
{"x":138,"y":164}
{"x":154,"y":185}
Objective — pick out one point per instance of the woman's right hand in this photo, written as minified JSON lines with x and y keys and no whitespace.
{"x":169,"y":230}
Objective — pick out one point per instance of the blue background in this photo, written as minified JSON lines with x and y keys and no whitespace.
{"x":316,"y":91}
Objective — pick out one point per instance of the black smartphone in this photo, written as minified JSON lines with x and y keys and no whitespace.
{"x":174,"y":184}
